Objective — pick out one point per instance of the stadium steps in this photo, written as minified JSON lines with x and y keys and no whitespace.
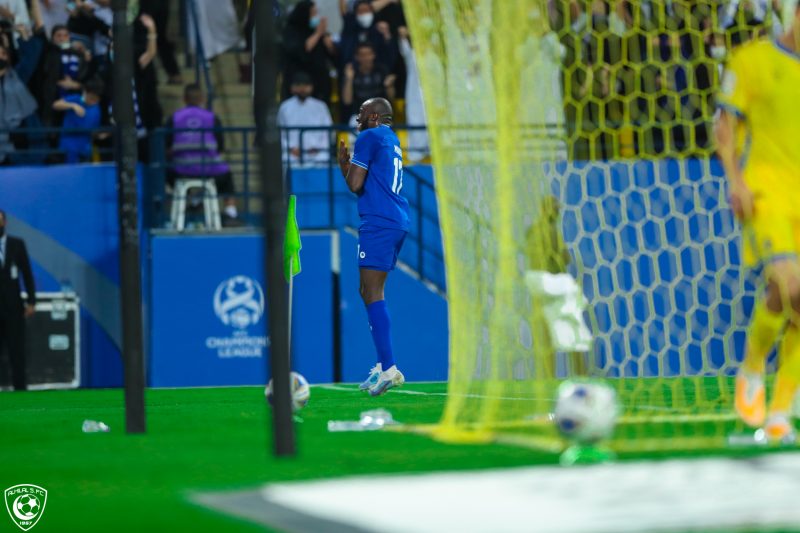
{"x":232,"y":101}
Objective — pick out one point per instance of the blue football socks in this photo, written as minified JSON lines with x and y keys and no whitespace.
{"x":380,"y":325}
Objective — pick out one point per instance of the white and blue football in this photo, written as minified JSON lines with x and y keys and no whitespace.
{"x":301,"y":391}
{"x":586,"y":411}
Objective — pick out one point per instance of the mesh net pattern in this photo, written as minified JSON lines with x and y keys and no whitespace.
{"x":576,"y":136}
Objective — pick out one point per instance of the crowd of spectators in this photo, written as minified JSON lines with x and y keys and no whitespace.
{"x":367,"y":55}
{"x":56,"y":64}
{"x":635,"y":77}
{"x":639,"y":76}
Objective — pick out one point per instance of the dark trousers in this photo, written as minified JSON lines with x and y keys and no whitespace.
{"x":12,"y":338}
{"x":159,"y":10}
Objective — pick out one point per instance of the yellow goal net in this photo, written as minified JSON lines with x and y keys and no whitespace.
{"x":576,"y":136}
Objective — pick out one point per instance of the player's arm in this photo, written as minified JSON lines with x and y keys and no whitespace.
{"x":735,"y":94}
{"x":741,"y":197}
{"x":354,"y":175}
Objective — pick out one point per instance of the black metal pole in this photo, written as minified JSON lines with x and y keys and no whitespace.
{"x":265,"y":107}
{"x":130,"y":279}
{"x":337,"y":327}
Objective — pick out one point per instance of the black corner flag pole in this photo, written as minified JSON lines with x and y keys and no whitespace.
{"x":130,"y":280}
{"x":265,"y":108}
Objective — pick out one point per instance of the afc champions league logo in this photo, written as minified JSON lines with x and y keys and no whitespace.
{"x":25,"y":504}
{"x":239,"y":302}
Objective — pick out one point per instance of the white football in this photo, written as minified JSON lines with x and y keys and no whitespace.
{"x":301,"y":392}
{"x":586,"y":411}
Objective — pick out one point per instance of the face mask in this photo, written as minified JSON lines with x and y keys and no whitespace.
{"x":314,"y":22}
{"x":3,"y":64}
{"x":2,"y":230}
{"x":365,"y":20}
{"x":718,"y":52}
{"x":65,"y":46}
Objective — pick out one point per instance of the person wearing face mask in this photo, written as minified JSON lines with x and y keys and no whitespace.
{"x":14,"y":266}
{"x":361,"y":27}
{"x":307,"y":47}
{"x":60,"y":73}
{"x":303,"y":110}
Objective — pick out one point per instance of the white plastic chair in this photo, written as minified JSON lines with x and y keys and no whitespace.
{"x":210,"y":202}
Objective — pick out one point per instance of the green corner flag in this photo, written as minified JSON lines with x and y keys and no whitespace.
{"x":291,"y":241}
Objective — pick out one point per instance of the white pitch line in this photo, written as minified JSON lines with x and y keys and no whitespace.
{"x":333,"y":387}
{"x":421,"y":393}
{"x":395,"y":391}
{"x":720,"y":417}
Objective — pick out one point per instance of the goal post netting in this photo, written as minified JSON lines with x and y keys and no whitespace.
{"x":577,"y":137}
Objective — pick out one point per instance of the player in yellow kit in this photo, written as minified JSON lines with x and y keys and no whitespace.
{"x":758,"y":142}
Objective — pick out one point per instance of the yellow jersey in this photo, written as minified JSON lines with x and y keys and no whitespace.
{"x":761,"y":85}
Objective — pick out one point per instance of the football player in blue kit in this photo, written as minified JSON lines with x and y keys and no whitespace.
{"x":375,"y":175}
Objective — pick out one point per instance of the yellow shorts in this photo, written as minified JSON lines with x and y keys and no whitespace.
{"x":770,"y":236}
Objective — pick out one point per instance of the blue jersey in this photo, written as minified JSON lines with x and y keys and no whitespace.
{"x":79,"y":144}
{"x":380,"y":204}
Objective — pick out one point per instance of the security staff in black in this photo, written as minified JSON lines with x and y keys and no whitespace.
{"x":14,"y":264}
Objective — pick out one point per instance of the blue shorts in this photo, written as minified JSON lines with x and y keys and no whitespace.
{"x":378,"y":248}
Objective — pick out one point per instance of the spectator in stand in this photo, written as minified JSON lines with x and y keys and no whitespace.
{"x":360,"y":27}
{"x":16,"y":12}
{"x":25,"y":45}
{"x":17,"y":28}
{"x":307,"y":47}
{"x":80,"y":112}
{"x":74,"y":61}
{"x":61,"y":72}
{"x":219,"y":26}
{"x":303,"y":110}
{"x":145,"y":45}
{"x":25,"y":42}
{"x":16,"y":103}
{"x":196,"y":147}
{"x":84,"y":23}
{"x":54,"y":13}
{"x":364,"y":80}
{"x":101,"y":38}
{"x":390,"y":11}
{"x":146,"y":107}
{"x":7,"y":39}
{"x":159,"y":11}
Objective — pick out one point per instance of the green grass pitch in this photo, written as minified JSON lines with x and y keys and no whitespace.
{"x":204,"y":440}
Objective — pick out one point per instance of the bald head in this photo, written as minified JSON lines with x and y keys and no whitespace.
{"x":373,"y":113}
{"x":379,"y":106}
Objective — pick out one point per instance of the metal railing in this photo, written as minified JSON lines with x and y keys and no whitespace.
{"x":315,"y":178}
{"x":312,"y":174}
{"x":201,"y":67}
{"x":40,"y":145}
{"x":242,"y":158}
